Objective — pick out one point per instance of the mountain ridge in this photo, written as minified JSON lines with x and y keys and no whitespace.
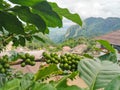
{"x":92,"y":27}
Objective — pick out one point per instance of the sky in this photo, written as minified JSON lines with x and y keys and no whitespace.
{"x":90,"y":8}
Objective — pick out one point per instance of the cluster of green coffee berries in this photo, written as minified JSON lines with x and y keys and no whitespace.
{"x":27,"y":59}
{"x":65,"y":62}
{"x":51,"y":58}
{"x":69,"y":62}
{"x":4,"y":64}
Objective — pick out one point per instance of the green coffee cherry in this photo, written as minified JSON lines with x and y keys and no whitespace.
{"x":6,"y":65}
{"x":2,"y":70}
{"x":27,"y":55}
{"x":27,"y":59}
{"x":1,"y":66}
{"x":32,"y":63}
{"x":23,"y":64}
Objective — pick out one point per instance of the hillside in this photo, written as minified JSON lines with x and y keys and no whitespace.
{"x":36,"y":44}
{"x":57,"y":34}
{"x":93,"y":27}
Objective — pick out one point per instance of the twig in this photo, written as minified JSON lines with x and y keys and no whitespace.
{"x":19,"y":62}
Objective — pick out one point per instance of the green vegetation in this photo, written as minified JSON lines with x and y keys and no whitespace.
{"x":67,"y":62}
{"x":22,"y":23}
{"x":37,"y":44}
{"x":4,"y":65}
{"x":92,"y":27}
{"x":90,"y":43}
{"x":27,"y":59}
{"x":97,"y":73}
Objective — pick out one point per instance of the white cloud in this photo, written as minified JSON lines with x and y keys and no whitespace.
{"x":92,"y":8}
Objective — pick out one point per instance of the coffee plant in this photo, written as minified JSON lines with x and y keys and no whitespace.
{"x":4,"y":65}
{"x":65,"y":62}
{"x":27,"y":59}
{"x":20,"y":21}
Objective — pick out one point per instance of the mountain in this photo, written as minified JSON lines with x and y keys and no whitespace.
{"x":93,"y":27}
{"x":57,"y":34}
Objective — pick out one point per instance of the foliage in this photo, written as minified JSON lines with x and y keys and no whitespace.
{"x":4,"y":65}
{"x":109,"y":56}
{"x":88,"y":56}
{"x":27,"y":59}
{"x":61,"y":85}
{"x":21,"y":23}
{"x":3,"y":80}
{"x":66,"y":62}
{"x":70,"y":42}
{"x":6,"y":61}
{"x":98,"y":74}
{"x":45,"y":72}
{"x":64,"y":12}
{"x":114,"y":84}
{"x":91,"y":44}
{"x":107,"y":45}
{"x":22,"y":20}
{"x":37,"y":44}
{"x":74,"y":42}
{"x":27,"y":83}
{"x":111,"y":53}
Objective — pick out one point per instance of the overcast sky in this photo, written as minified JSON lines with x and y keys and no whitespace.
{"x":92,"y":8}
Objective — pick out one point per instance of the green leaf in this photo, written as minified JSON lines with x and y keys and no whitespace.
{"x":45,"y":71}
{"x":12,"y":85}
{"x":26,"y":15}
{"x":62,"y":84}
{"x":73,"y":87}
{"x":38,"y":38}
{"x":38,"y":86}
{"x":19,"y":84}
{"x":44,"y":10}
{"x":88,"y":56}
{"x":26,"y":2}
{"x":1,"y":4}
{"x":15,"y":41}
{"x":4,"y":5}
{"x":114,"y":84}
{"x":97,"y":74}
{"x":109,"y":57}
{"x":64,"y":12}
{"x":31,"y":29}
{"x":3,"y":79}
{"x":28,"y":76}
{"x":26,"y":81}
{"x":1,"y":29}
{"x":107,"y":45}
{"x":14,"y":56}
{"x":10,"y":23}
{"x":21,"y":41}
{"x":47,"y":31}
